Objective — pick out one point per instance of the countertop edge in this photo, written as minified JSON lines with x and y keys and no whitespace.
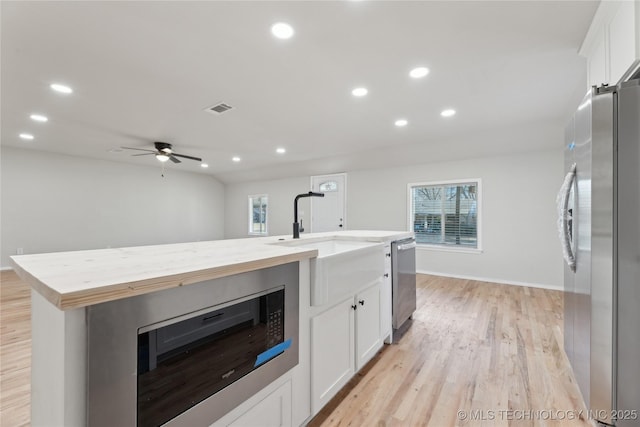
{"x":49,"y":294}
{"x":80,"y":298}
{"x":85,"y":298}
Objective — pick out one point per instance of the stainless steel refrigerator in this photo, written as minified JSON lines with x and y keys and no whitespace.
{"x":599,"y":226}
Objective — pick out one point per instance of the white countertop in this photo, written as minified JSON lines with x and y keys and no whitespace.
{"x":82,"y":278}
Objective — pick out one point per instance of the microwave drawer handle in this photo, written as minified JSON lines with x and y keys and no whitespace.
{"x":212,"y":317}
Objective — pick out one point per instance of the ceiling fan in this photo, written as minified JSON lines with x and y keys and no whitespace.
{"x":163,"y":152}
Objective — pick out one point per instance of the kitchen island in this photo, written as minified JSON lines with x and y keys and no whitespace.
{"x":66,"y":285}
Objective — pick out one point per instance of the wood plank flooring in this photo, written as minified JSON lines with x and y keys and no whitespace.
{"x":475,"y":354}
{"x":15,"y":351}
{"x":492,"y":351}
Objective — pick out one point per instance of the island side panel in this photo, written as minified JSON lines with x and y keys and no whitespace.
{"x":302,"y":373}
{"x":58,"y":365}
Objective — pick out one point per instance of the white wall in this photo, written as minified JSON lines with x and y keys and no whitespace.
{"x":281,"y":194}
{"x":53,"y":202}
{"x":519,"y":237}
{"x":520,"y":243}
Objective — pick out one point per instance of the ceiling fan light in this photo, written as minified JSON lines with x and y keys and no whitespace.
{"x":162,"y":157}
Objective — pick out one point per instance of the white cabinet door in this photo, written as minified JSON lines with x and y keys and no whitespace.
{"x":612,"y":44}
{"x":622,"y":40}
{"x":273,"y":411}
{"x":597,"y":61}
{"x":332,"y":352}
{"x":385,"y":299}
{"x":368,"y":339}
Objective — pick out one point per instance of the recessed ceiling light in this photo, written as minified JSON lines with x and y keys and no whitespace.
{"x":236,"y":159}
{"x":448,"y":112}
{"x":282,"y":30}
{"x":401,"y":122}
{"x":39,"y":118}
{"x":204,"y":165}
{"x":61,"y":88}
{"x":418,"y":72}
{"x":280,"y":150}
{"x":360,"y":91}
{"x":26,"y":136}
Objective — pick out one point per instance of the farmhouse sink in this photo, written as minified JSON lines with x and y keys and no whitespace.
{"x":342,"y":267}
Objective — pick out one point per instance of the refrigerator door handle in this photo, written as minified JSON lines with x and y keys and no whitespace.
{"x":565,"y":217}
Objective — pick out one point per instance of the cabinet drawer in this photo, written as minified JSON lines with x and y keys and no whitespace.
{"x":272,"y":411}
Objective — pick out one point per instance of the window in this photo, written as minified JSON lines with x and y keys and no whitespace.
{"x":258,"y":214}
{"x":446,"y":214}
{"x":328,"y":186}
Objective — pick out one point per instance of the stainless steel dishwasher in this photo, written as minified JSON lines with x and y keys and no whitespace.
{"x":403,"y":270}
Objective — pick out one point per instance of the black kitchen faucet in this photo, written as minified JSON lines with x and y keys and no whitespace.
{"x":296,"y":226}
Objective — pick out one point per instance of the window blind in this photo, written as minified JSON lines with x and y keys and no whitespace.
{"x":445,"y":214}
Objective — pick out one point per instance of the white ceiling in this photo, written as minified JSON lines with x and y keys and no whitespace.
{"x":144,"y":72}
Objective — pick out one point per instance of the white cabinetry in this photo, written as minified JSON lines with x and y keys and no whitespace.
{"x":273,"y":411}
{"x":596,"y":61}
{"x":385,"y":298}
{"x":344,"y":338}
{"x":367,"y":311}
{"x":623,"y":42}
{"x":612,"y":44}
{"x":332,"y":352}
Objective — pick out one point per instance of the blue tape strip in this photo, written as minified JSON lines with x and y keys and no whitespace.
{"x":272,"y":352}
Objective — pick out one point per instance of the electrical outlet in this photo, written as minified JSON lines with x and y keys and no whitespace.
{"x":20,"y":251}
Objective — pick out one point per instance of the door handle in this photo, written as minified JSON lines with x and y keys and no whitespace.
{"x":564,"y":218}
{"x":406,"y":246}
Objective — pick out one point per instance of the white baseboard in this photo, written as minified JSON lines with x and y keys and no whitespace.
{"x":5,"y":268}
{"x":486,"y":279}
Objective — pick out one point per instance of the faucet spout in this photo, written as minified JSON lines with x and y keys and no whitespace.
{"x":296,"y":225}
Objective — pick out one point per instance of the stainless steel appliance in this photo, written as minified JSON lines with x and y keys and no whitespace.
{"x":189,"y":355}
{"x":403,"y":272}
{"x":599,"y":206}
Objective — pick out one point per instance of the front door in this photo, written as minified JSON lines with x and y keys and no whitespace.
{"x":328,"y":213}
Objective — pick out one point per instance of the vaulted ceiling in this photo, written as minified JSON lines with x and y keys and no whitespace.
{"x":146,"y":71}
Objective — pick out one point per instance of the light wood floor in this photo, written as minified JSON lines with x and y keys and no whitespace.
{"x":15,"y":350}
{"x":473,"y":350}
{"x":493,"y":352}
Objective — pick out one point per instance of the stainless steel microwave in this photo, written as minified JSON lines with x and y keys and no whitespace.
{"x":187,"y":356}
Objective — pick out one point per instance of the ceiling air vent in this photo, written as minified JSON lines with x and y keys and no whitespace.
{"x":219,"y":108}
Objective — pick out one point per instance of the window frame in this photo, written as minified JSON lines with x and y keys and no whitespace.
{"x":448,"y":247}
{"x":250,"y":214}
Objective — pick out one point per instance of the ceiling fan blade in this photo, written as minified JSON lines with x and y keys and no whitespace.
{"x":187,"y":157}
{"x":143,"y":154}
{"x":174,"y":160}
{"x":139,"y":149}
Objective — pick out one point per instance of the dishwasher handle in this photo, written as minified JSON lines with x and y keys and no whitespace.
{"x":407,"y":246}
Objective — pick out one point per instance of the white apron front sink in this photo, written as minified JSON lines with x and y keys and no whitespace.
{"x":342,"y":267}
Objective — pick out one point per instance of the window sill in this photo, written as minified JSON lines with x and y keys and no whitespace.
{"x":439,"y":248}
